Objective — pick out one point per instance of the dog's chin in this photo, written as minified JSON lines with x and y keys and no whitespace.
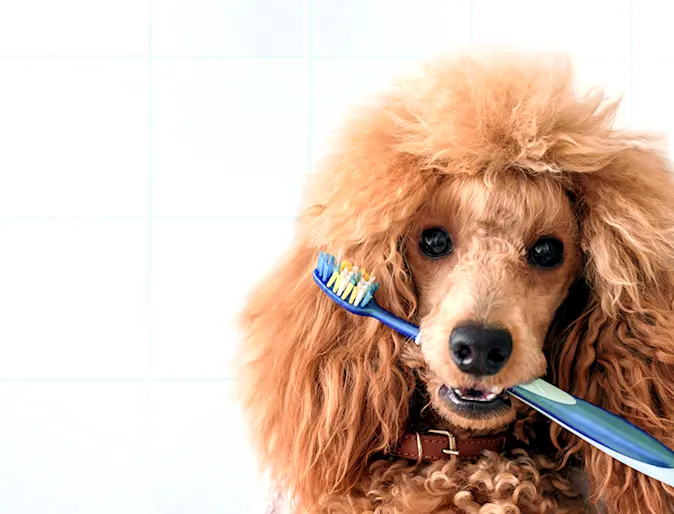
{"x":473,"y":409}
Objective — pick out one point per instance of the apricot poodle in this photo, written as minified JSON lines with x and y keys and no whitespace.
{"x":504,"y":213}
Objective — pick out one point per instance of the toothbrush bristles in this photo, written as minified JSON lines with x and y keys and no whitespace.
{"x":350,"y":283}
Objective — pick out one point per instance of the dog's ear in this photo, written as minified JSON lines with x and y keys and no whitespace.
{"x":322,"y":388}
{"x":620,"y":353}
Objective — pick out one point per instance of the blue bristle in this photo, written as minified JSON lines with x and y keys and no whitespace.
{"x":330,"y":268}
{"x":325,"y":270}
{"x":322,"y":264}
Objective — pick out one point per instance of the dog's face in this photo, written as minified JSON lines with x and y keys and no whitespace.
{"x":491,"y":264}
{"x":492,"y":175}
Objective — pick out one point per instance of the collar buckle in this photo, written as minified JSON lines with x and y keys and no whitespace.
{"x":451,"y":440}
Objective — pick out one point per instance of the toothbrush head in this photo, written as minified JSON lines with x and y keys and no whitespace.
{"x":351,"y":287}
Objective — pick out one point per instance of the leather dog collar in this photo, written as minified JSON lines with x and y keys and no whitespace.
{"x":441,"y":444}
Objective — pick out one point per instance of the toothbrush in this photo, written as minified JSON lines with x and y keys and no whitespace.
{"x":611,"y":434}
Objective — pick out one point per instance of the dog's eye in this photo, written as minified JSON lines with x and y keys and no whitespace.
{"x":435,"y":242}
{"x":548,"y":252}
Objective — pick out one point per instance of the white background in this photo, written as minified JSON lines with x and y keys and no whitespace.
{"x":150,"y":162}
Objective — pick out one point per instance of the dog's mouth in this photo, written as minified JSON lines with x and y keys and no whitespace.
{"x":475,"y":402}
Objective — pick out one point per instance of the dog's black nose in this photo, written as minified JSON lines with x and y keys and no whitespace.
{"x":479,"y":350}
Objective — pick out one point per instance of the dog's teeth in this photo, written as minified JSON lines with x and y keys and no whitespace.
{"x":483,"y":397}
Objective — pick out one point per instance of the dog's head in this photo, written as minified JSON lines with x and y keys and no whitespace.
{"x":491,"y":264}
{"x":483,"y":194}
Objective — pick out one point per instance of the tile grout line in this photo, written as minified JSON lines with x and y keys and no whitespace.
{"x":222,"y":57}
{"x":470,"y":21}
{"x":308,"y":56}
{"x":83,"y":56}
{"x":234,"y":57}
{"x":149,"y":257}
{"x":631,"y":63}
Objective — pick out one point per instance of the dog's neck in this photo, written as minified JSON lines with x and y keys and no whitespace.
{"x":530,"y":429}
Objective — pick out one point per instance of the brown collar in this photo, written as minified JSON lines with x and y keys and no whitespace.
{"x":441,"y":444}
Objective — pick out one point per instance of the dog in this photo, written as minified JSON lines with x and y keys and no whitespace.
{"x":504,"y":213}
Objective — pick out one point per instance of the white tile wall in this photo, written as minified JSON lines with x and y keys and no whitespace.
{"x":613,"y":76}
{"x":201,"y":460}
{"x":73,"y":28}
{"x":652,"y":29}
{"x":387,"y":28}
{"x":74,"y":137}
{"x":151,"y":158}
{"x":595,"y":28}
{"x":338,"y":85}
{"x":215,"y":27}
{"x":653,"y":106}
{"x":73,"y":300}
{"x":215,"y":120}
{"x":74,"y":447}
{"x":197,"y":286}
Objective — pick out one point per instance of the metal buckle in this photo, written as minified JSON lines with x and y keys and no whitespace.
{"x":451,"y":439}
{"x":420,"y":449}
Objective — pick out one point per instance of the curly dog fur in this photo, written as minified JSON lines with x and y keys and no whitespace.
{"x":499,"y":150}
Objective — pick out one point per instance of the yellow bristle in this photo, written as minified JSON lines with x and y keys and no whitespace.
{"x":354,"y":293}
{"x":335,"y":276}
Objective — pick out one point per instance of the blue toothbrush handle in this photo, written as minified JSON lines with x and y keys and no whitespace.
{"x":613,"y":435}
{"x":371,"y":309}
{"x":399,"y":325}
